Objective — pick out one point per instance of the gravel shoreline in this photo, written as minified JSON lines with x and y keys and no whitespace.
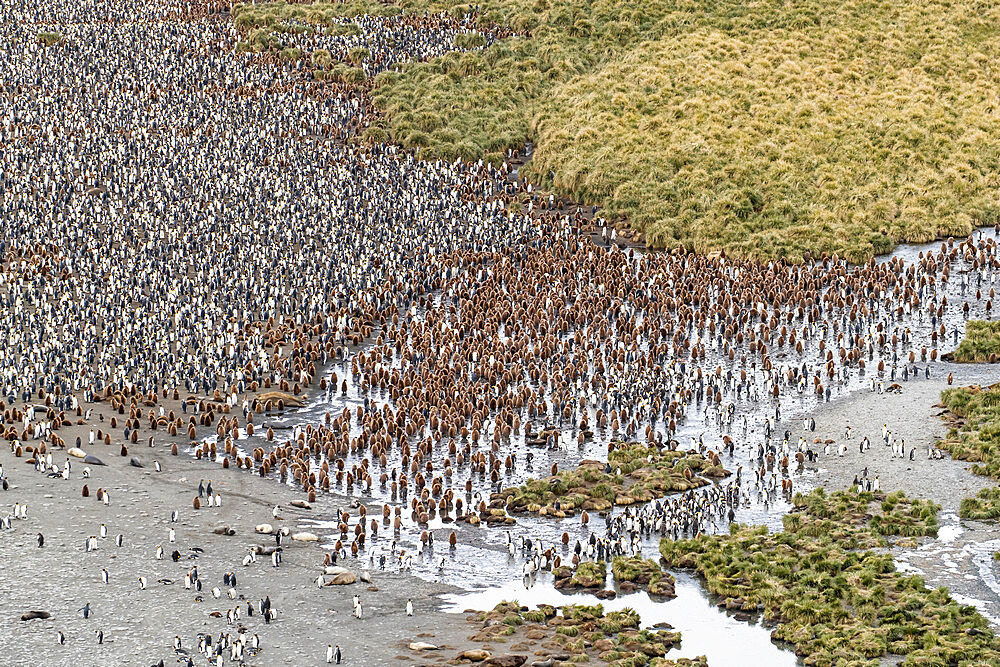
{"x":911,"y":415}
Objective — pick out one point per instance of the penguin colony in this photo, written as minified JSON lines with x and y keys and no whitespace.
{"x":188,"y":223}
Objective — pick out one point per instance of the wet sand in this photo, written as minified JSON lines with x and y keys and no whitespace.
{"x":139,"y":625}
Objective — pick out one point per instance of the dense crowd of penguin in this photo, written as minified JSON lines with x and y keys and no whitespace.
{"x":188,"y":225}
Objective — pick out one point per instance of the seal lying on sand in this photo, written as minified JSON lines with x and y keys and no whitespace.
{"x":31,"y":615}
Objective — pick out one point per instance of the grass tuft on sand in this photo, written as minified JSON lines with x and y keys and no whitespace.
{"x":975,"y":434}
{"x":981,"y":343}
{"x":635,"y":473}
{"x":984,"y":505}
{"x":584,"y":632}
{"x":49,"y":38}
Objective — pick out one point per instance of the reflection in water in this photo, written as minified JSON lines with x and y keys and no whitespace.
{"x":481,"y":554}
{"x":691,"y":613}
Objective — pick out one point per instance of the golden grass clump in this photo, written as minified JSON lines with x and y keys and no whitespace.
{"x":981,"y":343}
{"x":984,"y":505}
{"x":771,"y":130}
{"x":634,"y":474}
{"x":842,"y":128}
{"x":975,"y":433}
{"x":49,"y":38}
{"x":282,"y":16}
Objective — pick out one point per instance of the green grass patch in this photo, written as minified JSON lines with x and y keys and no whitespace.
{"x":638,"y":474}
{"x":587,"y":574}
{"x":285,"y":17}
{"x":645,"y":573}
{"x":975,"y":435}
{"x":586,"y":631}
{"x":984,"y":505}
{"x":830,"y":594}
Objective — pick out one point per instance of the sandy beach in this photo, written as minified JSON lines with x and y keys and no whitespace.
{"x":139,"y":625}
{"x":912,"y":416}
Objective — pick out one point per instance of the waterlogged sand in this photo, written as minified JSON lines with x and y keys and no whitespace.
{"x":139,"y":625}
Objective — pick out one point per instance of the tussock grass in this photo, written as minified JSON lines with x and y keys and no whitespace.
{"x":829,"y":594}
{"x":977,"y":436}
{"x":805,"y":128}
{"x":644,"y":572}
{"x":981,"y":343}
{"x":766,"y":130}
{"x":585,"y":631}
{"x":985,"y":505}
{"x":637,"y":474}
{"x":282,"y":16}
{"x":587,"y":574}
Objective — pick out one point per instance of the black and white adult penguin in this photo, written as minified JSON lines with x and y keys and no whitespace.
{"x":120,"y":540}
{"x":337,"y":654}
{"x":100,"y":636}
{"x":61,"y":638}
{"x":86,"y":610}
{"x":105,"y":577}
{"x":41,"y":540}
